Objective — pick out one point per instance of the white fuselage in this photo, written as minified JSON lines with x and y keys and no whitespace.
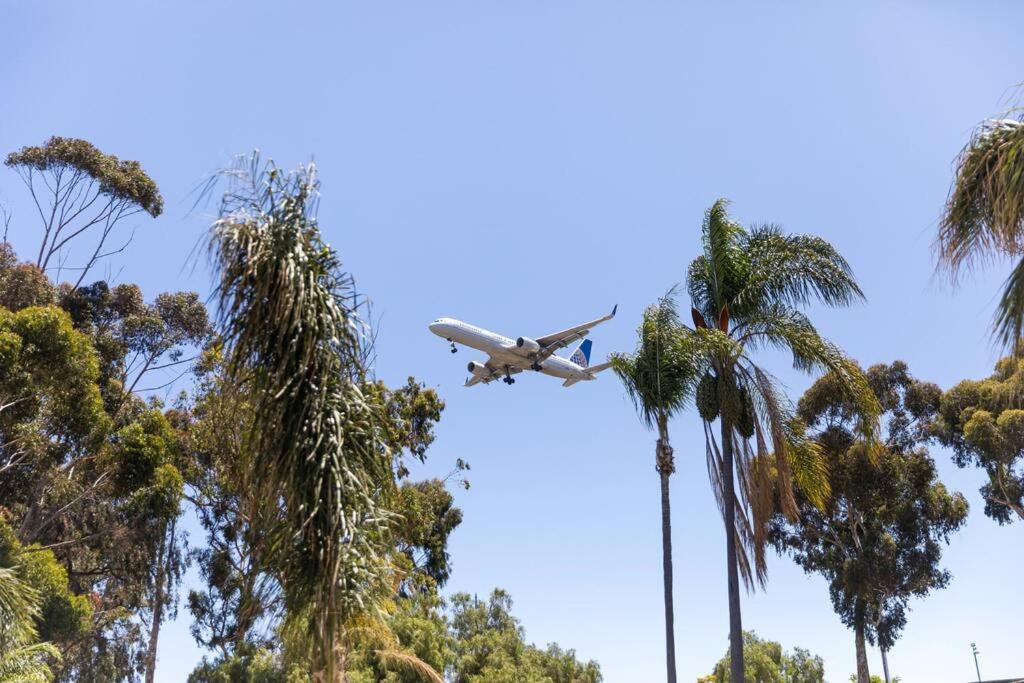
{"x":504,"y":350}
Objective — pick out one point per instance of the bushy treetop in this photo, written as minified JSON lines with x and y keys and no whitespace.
{"x":983,"y":422}
{"x":124,"y":180}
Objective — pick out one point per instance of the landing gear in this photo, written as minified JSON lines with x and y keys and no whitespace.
{"x":507,"y":379}
{"x":454,"y":350}
{"x":535,"y":367}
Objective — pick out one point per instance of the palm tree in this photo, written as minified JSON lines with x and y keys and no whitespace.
{"x":22,"y":660}
{"x":659,"y":377}
{"x":984,"y":216}
{"x":746,"y":289}
{"x":293,"y":336}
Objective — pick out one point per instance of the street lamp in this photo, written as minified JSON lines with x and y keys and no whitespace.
{"x":974,"y":649}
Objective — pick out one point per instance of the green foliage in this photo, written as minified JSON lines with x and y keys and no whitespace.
{"x":660,"y":375}
{"x":878,"y":540}
{"x":35,"y":608}
{"x":138,"y":449}
{"x":414,"y":645}
{"x":79,"y":192}
{"x":136,"y":340}
{"x":241,"y":606}
{"x":62,"y":616}
{"x":983,"y":422}
{"x":115,"y":178}
{"x":241,"y":598}
{"x":248,"y":665}
{"x":48,"y":374}
{"x":984,"y":215}
{"x":765,"y":662}
{"x":426,"y":518}
{"x":87,"y":467}
{"x":419,"y":625}
{"x":292,"y":332}
{"x":471,"y":641}
{"x":489,"y":646}
{"x":22,"y":284}
{"x":746,"y":288}
{"x":412,"y":410}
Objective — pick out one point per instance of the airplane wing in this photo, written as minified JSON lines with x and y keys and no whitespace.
{"x":559,"y":340}
{"x":497,"y":372}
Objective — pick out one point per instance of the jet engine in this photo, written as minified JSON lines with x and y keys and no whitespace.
{"x":528,"y":345}
{"x":478,"y":369}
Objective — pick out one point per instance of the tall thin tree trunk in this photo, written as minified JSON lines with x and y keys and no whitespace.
{"x":885,"y":663}
{"x":729,"y":503}
{"x":158,"y":600}
{"x":665,"y":465}
{"x":863,"y":675}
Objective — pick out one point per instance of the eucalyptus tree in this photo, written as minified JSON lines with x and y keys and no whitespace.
{"x":983,"y":422}
{"x":80,"y":191}
{"x":747,"y":288}
{"x":659,"y":377}
{"x":984,"y":216}
{"x":878,"y":541}
{"x":766,"y":662}
{"x":290,"y":319}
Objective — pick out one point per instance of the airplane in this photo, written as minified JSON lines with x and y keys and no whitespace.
{"x":507,"y":357}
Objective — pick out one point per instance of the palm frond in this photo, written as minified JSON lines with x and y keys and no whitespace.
{"x":19,"y":606}
{"x":773,"y":409}
{"x":660,"y":375}
{"x":407,"y":661}
{"x":748,"y":286}
{"x":984,"y":213}
{"x":793,"y":270}
{"x":1009,"y":322}
{"x":810,"y":466}
{"x":21,"y":659}
{"x":782,"y":327}
{"x":754,"y":572}
{"x":28,"y":663}
{"x":714,"y":277}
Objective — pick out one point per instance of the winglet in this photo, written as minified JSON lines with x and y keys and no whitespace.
{"x":614,"y":308}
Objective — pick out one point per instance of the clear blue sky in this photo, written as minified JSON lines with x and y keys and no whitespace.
{"x":525,"y":165}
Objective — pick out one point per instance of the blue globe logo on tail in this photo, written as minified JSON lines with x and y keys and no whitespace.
{"x":581,"y":356}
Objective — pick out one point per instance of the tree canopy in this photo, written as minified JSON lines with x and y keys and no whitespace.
{"x":983,"y":422}
{"x":766,"y":662}
{"x":79,"y":190}
{"x":878,"y":538}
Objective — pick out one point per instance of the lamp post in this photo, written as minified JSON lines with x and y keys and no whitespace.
{"x":974,"y":649}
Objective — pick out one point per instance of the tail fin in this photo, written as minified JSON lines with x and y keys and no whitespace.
{"x":581,"y":356}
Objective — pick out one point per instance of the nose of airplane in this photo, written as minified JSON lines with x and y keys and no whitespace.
{"x":436,"y":326}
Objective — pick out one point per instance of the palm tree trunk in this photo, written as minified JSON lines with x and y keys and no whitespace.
{"x":729,"y":503}
{"x":885,"y":663}
{"x":863,"y":675}
{"x":665,"y":465}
